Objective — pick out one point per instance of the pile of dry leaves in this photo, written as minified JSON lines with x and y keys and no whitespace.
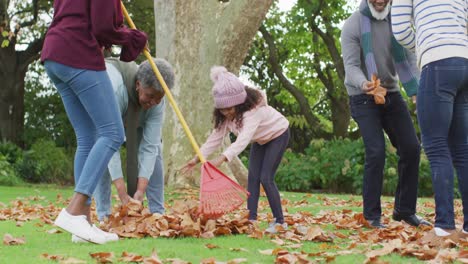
{"x":349,"y":234}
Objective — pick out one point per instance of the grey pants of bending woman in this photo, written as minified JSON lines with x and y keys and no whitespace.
{"x":263,"y":163}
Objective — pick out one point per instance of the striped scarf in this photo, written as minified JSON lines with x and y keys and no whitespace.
{"x":407,"y":78}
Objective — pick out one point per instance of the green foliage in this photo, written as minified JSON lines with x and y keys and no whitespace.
{"x":338,"y":166}
{"x":11,"y":152}
{"x":307,"y":47}
{"x":8,"y":175}
{"x":45,"y":116}
{"x":46,"y":163}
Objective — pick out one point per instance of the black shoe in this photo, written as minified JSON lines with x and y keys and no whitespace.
{"x":413,"y":220}
{"x":376,"y":224}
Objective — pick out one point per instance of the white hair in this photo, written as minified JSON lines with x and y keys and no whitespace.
{"x":148,"y":79}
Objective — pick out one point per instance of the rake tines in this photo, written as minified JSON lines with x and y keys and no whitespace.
{"x":218,"y":193}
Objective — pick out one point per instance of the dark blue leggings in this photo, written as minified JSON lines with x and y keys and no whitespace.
{"x":263,"y":163}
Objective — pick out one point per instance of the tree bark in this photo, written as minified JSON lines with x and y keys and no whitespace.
{"x":13,"y":67}
{"x":194,"y":36}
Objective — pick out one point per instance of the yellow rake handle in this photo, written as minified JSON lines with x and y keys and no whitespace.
{"x":167,"y":91}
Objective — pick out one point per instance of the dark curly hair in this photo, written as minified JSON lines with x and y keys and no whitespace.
{"x":253,"y":99}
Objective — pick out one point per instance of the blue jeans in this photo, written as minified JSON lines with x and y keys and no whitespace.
{"x":263,"y":163}
{"x":443,"y":117}
{"x":154,"y":191}
{"x":91,"y":107}
{"x":393,"y":118}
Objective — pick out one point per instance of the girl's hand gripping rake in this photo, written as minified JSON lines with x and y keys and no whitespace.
{"x":218,"y":193}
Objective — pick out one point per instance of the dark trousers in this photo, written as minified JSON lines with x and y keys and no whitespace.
{"x":263,"y":163}
{"x":393,"y":118}
{"x":443,"y":118}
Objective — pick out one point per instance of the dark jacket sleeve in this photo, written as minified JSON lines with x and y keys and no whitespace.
{"x":107,"y":27}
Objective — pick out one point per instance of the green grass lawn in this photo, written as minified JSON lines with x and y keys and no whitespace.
{"x":39,"y":241}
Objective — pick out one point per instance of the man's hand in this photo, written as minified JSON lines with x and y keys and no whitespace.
{"x":139,"y":196}
{"x":378,"y":92}
{"x":141,"y":189}
{"x":122,"y":191}
{"x":367,"y":86}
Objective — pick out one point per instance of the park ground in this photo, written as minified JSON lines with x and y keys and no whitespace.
{"x":322,"y":228}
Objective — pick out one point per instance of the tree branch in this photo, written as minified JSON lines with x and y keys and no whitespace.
{"x":313,"y":121}
{"x":327,"y":38}
{"x":33,"y":20}
{"x":31,"y":53}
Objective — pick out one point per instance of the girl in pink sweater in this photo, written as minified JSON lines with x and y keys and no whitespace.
{"x":244,"y":111}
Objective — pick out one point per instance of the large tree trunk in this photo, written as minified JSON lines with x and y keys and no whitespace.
{"x":13,"y":67}
{"x":11,"y":96}
{"x":12,"y":107}
{"x":194,"y":36}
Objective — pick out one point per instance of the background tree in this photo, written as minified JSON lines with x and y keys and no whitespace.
{"x":27,"y":99}
{"x":297,"y":59}
{"x":22,"y":29}
{"x":194,"y":36}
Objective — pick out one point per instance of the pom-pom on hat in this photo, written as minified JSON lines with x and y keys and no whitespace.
{"x":227,"y":90}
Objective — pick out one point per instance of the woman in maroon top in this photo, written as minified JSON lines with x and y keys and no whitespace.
{"x":73,"y":58}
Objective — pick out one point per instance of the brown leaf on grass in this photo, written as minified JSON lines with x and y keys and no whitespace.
{"x":54,"y":231}
{"x":266,"y":252}
{"x":103,"y":257}
{"x":238,"y":249}
{"x":208,"y":261}
{"x":286,"y":258}
{"x":176,"y":261}
{"x":379,"y":92}
{"x":52,"y":257}
{"x":222,"y":230}
{"x":375,"y":260}
{"x":46,"y":219}
{"x":445,"y":256}
{"x":72,"y":261}
{"x":207,"y":235}
{"x":211,"y":246}
{"x":280,"y":251}
{"x":154,"y":259}
{"x":9,"y":240}
{"x":387,"y":248}
{"x":421,"y":253}
{"x":315,"y":233}
{"x":463,"y":255}
{"x":131,"y":257}
{"x":237,"y":261}
{"x":278,"y":241}
{"x":210,"y":225}
{"x":299,"y":245}
{"x":134,"y":207}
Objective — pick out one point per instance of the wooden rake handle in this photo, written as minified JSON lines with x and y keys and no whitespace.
{"x":166,"y":91}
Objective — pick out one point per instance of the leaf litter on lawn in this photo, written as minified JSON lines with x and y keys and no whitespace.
{"x":182,"y":220}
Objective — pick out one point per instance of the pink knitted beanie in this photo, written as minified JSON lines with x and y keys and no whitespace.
{"x":227,"y":90}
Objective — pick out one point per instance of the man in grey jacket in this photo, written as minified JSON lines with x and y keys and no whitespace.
{"x":140,"y":99}
{"x":369,"y":49}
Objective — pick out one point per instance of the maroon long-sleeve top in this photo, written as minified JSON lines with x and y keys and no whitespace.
{"x":80,"y":28}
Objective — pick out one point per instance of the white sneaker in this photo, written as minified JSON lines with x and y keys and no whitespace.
{"x":273,"y":228}
{"x":109,"y":236}
{"x":76,"y":239}
{"x":78,"y":226}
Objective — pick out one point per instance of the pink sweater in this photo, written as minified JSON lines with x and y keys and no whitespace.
{"x":260,"y":125}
